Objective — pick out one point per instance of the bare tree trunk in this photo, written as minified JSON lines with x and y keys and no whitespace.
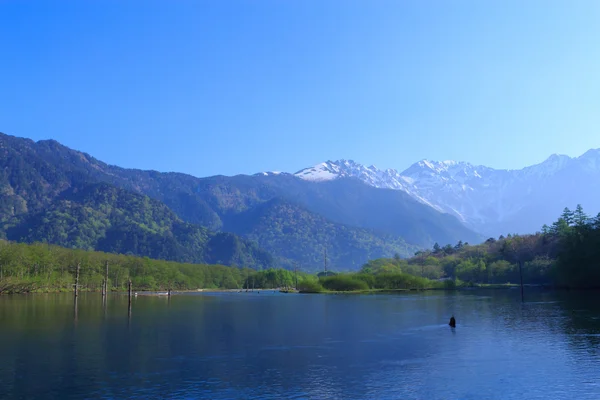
{"x":106,"y":280}
{"x":129,"y":307}
{"x":129,"y":287}
{"x":77,"y":281}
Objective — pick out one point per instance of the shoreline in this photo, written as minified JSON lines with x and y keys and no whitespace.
{"x":161,"y":293}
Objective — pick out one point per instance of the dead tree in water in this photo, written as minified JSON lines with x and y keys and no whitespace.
{"x":129,"y":288}
{"x":106,"y":280}
{"x":76,"y":291}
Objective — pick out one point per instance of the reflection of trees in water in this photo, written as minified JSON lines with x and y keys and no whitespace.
{"x":250,"y":345}
{"x":581,"y":311}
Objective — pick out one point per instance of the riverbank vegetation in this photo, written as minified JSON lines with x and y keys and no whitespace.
{"x":39,"y":267}
{"x":565,"y":254}
{"x":371,"y":281}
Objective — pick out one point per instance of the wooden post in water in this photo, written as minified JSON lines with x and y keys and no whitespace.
{"x":77,"y":281}
{"x":129,"y":306}
{"x":103,"y":289}
{"x":521,"y":277}
{"x":129,"y":289}
{"x":75,"y":310}
{"x":106,"y":280}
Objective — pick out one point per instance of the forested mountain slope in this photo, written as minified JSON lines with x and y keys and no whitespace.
{"x":38,"y":178}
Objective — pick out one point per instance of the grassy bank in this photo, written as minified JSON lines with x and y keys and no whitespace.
{"x":389,"y":282}
{"x":363,"y":282}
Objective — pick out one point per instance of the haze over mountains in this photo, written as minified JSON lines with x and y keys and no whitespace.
{"x":490,"y":201}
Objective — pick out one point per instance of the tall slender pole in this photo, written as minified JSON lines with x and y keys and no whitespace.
{"x":106,"y":280}
{"x":77,"y":280}
{"x":75,"y":310}
{"x":129,"y":306}
{"x":129,"y":289}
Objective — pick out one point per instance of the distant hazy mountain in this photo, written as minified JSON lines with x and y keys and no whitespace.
{"x":293,"y":218}
{"x":488,"y":200}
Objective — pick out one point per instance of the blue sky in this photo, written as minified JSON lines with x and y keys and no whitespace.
{"x":228,"y":87}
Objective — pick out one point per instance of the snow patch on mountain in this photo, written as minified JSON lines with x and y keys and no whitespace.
{"x":482,"y":197}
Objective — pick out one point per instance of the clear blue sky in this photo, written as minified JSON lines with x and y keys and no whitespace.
{"x":243,"y":86}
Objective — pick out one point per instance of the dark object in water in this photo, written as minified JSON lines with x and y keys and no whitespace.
{"x":452,"y":322}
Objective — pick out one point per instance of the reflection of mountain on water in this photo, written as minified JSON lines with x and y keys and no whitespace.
{"x":230,"y":345}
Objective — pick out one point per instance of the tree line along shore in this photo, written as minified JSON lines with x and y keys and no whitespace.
{"x":565,"y":254}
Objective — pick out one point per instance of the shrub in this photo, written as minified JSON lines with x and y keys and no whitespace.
{"x":308,"y":286}
{"x":369,"y":279}
{"x":450,"y":284}
{"x":400,"y":281}
{"x":343,"y":283}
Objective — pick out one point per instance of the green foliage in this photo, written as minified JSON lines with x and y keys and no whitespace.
{"x":567,"y":253}
{"x":578,"y":261}
{"x":380,"y":281}
{"x":343,"y":283}
{"x":47,"y":193}
{"x":42,"y":267}
{"x":383,"y":265}
{"x":401,"y":281}
{"x":294,"y":233}
{"x":106,"y":218}
{"x":308,"y":286}
{"x":328,"y":273}
{"x":274,"y":278}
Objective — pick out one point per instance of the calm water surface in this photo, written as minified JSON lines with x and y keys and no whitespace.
{"x":279,"y":346}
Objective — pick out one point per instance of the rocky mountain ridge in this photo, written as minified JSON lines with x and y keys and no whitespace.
{"x":488,"y":200}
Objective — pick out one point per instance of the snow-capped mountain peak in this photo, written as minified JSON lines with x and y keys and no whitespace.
{"x":324,"y":171}
{"x":483,"y":198}
{"x":389,"y":178}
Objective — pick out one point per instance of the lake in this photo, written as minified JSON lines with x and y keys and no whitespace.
{"x":291,"y":346}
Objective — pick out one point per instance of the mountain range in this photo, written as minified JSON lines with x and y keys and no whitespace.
{"x":341,"y":211}
{"x":489,"y":201}
{"x":54,"y":194}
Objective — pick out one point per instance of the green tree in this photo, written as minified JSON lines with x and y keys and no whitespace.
{"x":580,"y":219}
{"x":568,"y":216}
